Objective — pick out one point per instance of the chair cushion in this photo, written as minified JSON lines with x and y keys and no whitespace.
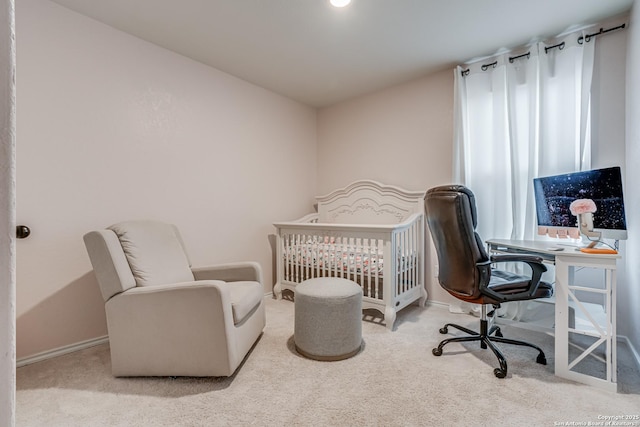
{"x":245,"y":297}
{"x":154,"y":252}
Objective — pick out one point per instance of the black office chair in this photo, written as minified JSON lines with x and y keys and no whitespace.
{"x":465,"y":269}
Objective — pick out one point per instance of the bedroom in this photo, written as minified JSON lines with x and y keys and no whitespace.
{"x":211,"y":152}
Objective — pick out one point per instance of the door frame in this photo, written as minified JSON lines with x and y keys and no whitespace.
{"x":8,"y":209}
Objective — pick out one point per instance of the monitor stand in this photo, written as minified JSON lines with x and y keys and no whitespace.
{"x":585,"y":223}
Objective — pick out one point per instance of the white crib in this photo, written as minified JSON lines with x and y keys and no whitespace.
{"x":371,"y":233}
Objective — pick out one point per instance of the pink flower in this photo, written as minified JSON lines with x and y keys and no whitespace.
{"x":581,"y":206}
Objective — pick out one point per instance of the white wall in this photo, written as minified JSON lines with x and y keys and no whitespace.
{"x":629,"y":292}
{"x":401,"y":136}
{"x":7,"y":219}
{"x":112,"y":128}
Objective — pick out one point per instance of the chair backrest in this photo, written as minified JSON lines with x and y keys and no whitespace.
{"x":452,"y":219}
{"x":137,"y":253}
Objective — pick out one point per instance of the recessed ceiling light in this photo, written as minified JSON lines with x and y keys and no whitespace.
{"x":340,"y":3}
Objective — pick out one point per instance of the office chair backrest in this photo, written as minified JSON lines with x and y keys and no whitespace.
{"x":452,"y":219}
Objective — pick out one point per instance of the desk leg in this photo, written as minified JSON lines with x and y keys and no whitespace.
{"x":611,"y":313}
{"x":561,"y":332}
{"x":566,"y":294}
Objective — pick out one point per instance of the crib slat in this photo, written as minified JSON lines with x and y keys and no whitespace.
{"x":403,"y":249}
{"x":292,"y":244}
{"x":376,"y":290}
{"x":410,"y":255}
{"x":318,"y":248}
{"x":351,"y":269}
{"x":414,"y":254}
{"x":309,"y":246}
{"x":290,"y":263}
{"x":334,"y":261}
{"x":294,"y":239}
{"x":303,"y":257}
{"x":412,"y":249}
{"x":361,"y":274}
{"x":287,"y":256}
{"x":341,"y":260}
{"x":369,"y":260}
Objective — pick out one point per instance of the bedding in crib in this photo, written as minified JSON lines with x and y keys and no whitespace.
{"x":338,"y":257}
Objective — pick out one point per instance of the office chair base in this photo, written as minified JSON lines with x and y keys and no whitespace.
{"x":487,"y":337}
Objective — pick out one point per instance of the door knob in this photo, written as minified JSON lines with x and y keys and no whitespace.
{"x":22,"y":232}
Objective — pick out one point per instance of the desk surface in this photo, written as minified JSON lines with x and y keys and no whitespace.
{"x":544,"y":248}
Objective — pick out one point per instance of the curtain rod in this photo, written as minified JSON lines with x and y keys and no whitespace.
{"x":513,"y":58}
{"x":587,"y":38}
{"x":560,"y":46}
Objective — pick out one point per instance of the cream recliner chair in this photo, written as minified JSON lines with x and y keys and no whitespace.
{"x":166,"y":318}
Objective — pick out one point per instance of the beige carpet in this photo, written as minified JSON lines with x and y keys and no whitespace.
{"x":393,"y":381}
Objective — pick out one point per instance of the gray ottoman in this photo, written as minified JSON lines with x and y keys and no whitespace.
{"x":328,"y":318}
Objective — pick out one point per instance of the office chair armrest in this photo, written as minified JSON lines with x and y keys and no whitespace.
{"x":537,"y":269}
{"x":518,"y":258}
{"x":535,"y":262}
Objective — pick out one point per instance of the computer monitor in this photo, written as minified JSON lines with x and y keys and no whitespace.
{"x":589,"y":201}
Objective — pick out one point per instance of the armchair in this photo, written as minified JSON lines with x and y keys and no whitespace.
{"x":465,"y":269}
{"x":165,"y":318}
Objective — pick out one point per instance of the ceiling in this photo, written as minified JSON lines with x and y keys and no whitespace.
{"x":320,"y":55}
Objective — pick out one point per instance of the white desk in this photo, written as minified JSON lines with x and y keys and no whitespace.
{"x":566,"y":295}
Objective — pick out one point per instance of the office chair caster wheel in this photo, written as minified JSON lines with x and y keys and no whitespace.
{"x":499,"y":373}
{"x":541,"y":359}
{"x":498,"y":333}
{"x":444,"y":330}
{"x":437,"y":352}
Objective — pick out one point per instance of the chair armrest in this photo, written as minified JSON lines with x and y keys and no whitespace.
{"x":518,"y":258}
{"x":537,"y":269}
{"x":149,"y":313}
{"x":170,"y":300}
{"x":183,"y":308}
{"x":188,"y":324}
{"x":233,"y":272}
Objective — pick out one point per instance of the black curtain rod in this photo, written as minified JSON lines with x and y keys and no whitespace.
{"x":485,"y":67}
{"x":588,"y":37}
{"x":513,"y":58}
{"x":560,"y":46}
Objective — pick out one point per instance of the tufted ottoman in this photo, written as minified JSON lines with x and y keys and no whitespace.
{"x":328,"y":318}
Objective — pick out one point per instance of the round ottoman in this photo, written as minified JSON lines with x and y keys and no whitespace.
{"x":328,"y":318}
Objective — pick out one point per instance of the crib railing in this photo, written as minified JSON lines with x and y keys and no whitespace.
{"x":309,"y":255}
{"x":368,"y":255}
{"x":409,"y":269}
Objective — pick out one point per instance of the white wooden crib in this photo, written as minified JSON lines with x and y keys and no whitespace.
{"x":371,"y":233}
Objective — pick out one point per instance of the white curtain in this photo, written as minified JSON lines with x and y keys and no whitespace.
{"x":519,"y":119}
{"x":518,"y":116}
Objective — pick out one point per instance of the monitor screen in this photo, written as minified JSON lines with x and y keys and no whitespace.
{"x":554,"y":194}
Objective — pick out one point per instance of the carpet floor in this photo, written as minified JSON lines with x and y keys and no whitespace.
{"x":393,"y":381}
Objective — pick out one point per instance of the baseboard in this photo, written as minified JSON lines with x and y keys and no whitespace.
{"x":634,"y":351}
{"x":49,"y":354}
{"x":438,"y":304}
